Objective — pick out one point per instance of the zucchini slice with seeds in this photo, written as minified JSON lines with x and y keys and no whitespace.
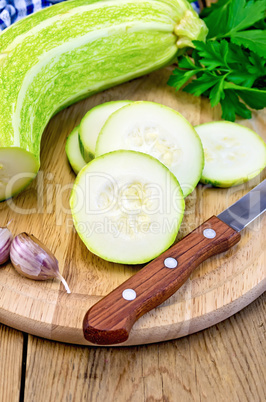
{"x":159,"y":131}
{"x":127,"y":207}
{"x":233,"y":153}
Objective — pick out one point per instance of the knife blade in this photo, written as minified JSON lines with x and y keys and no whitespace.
{"x":109,"y":321}
{"x":247,"y":209}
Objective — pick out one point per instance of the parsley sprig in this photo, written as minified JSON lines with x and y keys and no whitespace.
{"x":230,"y":68}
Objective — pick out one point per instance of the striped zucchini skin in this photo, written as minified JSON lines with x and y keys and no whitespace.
{"x":74,"y":49}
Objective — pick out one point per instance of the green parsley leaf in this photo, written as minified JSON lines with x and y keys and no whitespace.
{"x":254,"y":40}
{"x":217,"y":92}
{"x":202,"y":84}
{"x":242,"y":78}
{"x":257,"y":65}
{"x":233,"y":16}
{"x":196,"y":57}
{"x":179,"y":78}
{"x":260,"y":25}
{"x":217,"y":18}
{"x":232,"y":106}
{"x":243,"y":15}
{"x":238,"y":57}
{"x":230,"y":68}
{"x":253,"y":97}
{"x":186,"y":62}
{"x":214,"y":6}
{"x":213,"y":54}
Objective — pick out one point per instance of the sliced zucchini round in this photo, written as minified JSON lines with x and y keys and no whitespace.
{"x":18,"y":168}
{"x":159,"y":131}
{"x":73,"y":151}
{"x":127,"y":207}
{"x":233,"y":153}
{"x":91,"y":125}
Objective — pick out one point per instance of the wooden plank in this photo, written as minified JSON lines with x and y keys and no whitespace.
{"x":220,"y":287}
{"x":100,"y":329}
{"x":222,"y":363}
{"x":11,"y":351}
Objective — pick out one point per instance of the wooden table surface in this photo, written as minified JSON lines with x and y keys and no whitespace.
{"x":223,"y":363}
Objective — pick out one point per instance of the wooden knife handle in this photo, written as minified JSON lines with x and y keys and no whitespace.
{"x":110,"y":320}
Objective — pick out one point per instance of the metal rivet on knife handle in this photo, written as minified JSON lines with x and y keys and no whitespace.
{"x":110,"y":320}
{"x":170,"y":262}
{"x":209,"y":233}
{"x":129,"y":294}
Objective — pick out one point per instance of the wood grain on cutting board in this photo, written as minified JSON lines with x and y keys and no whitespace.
{"x":217,"y":289}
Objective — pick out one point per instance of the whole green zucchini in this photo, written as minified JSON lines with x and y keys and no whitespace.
{"x":70,"y":51}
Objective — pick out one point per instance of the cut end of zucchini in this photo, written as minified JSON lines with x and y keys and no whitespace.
{"x":159,"y":131}
{"x":73,"y":151}
{"x":92,"y":123}
{"x":233,"y":153}
{"x":82,"y":47}
{"x":127,"y":207}
{"x":17,"y":169}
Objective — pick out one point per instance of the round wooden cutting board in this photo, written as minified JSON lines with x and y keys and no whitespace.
{"x":218,"y":288}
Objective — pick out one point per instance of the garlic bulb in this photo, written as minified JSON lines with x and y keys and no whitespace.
{"x":34,"y":260}
{"x":5,"y":244}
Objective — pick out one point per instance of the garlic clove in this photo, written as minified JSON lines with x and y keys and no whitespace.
{"x":5,"y":244}
{"x":32,"y":259}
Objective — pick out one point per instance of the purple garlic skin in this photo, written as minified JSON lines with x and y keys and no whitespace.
{"x":5,"y":244}
{"x":32,"y":259}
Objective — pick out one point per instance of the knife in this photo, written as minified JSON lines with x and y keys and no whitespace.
{"x":109,"y":321}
